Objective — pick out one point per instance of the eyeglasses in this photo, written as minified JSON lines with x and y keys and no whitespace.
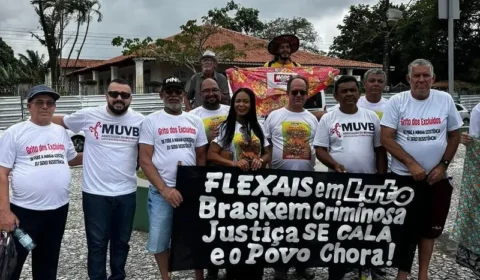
{"x":245,"y":134}
{"x":296,"y":92}
{"x":40,"y":103}
{"x":115,"y":94}
{"x":171,"y":91}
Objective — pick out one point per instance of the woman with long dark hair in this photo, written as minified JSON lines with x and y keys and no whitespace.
{"x":241,"y":143}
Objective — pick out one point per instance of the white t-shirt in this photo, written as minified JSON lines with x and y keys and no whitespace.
{"x":211,"y":118}
{"x":421,"y":127}
{"x":292,"y":137}
{"x":111,"y":149}
{"x":351,"y":139}
{"x":38,"y":157}
{"x":175,"y":138}
{"x":378,"y":107}
{"x":241,"y":147}
{"x":474,"y":129}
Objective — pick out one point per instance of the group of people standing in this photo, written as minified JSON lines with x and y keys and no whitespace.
{"x":418,"y":129}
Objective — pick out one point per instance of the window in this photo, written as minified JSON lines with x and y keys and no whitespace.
{"x":459,"y":108}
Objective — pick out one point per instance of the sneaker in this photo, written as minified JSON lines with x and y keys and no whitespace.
{"x":305,"y":273}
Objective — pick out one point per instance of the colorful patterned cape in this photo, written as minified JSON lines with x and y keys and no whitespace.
{"x":270,"y":84}
{"x":466,"y":230}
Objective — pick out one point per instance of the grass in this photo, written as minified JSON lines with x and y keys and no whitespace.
{"x":140,"y":174}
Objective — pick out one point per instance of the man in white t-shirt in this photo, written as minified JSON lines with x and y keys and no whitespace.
{"x":290,"y":131}
{"x":212,"y":113}
{"x":420,"y":129}
{"x":37,"y":154}
{"x":348,"y":140}
{"x":168,"y":137}
{"x":111,"y":132}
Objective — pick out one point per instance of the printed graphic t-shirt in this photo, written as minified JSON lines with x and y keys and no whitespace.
{"x":242,"y":146}
{"x":292,"y":137}
{"x":111,"y":149}
{"x":38,"y":157}
{"x":350,"y":139}
{"x":174,"y":138}
{"x":211,"y":118}
{"x":474,"y":129}
{"x":421,"y":127}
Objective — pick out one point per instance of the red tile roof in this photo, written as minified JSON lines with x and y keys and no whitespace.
{"x":256,"y":53}
{"x":111,"y":61}
{"x":81,"y":63}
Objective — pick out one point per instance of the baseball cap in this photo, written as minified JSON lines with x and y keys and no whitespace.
{"x":172,"y":82}
{"x":42,"y":89}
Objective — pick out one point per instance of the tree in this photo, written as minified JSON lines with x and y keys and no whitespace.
{"x":420,"y":34}
{"x":91,"y":8}
{"x":298,"y":26}
{"x":186,"y":47}
{"x":33,"y":66}
{"x":245,"y":20}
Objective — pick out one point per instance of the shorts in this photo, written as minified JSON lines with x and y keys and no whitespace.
{"x":436,"y":207}
{"x":160,"y":215}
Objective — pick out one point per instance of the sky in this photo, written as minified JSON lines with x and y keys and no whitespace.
{"x":162,"y":18}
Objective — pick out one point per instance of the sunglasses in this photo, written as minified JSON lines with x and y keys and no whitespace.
{"x":171,"y":91}
{"x":40,"y":104}
{"x":115,"y":94}
{"x":245,"y":134}
{"x":296,"y":92}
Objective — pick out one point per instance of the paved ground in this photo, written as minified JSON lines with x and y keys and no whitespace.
{"x":73,"y":263}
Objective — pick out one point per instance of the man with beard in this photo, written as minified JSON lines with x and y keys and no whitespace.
{"x":209,"y":63}
{"x":212,"y":114}
{"x":282,"y":47}
{"x":112,"y":132}
{"x":168,"y":136}
{"x":290,"y":131}
{"x":343,"y":150}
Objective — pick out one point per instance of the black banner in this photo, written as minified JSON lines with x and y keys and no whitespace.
{"x":274,"y":217}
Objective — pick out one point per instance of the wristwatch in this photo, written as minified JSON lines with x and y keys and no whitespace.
{"x":445,"y":162}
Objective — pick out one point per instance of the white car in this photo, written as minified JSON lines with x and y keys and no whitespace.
{"x":464,"y":113}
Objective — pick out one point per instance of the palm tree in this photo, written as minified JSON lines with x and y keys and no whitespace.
{"x":92,"y":8}
{"x":33,"y":66}
{"x":81,"y":17}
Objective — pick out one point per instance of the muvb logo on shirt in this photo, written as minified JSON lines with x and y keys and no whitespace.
{"x":352,"y":129}
{"x":115,"y":132}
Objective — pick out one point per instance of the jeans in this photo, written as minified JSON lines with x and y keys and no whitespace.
{"x":108,"y":219}
{"x":46,"y":229}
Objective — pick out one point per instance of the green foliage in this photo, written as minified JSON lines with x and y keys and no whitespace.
{"x":420,"y":34}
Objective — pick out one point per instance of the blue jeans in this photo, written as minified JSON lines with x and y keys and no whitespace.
{"x":108,"y":219}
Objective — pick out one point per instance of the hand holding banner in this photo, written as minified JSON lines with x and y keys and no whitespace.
{"x":270,"y":84}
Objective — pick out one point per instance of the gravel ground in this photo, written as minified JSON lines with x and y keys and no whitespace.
{"x":140,"y":265}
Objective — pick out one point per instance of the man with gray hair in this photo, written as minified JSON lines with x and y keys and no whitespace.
{"x":420,"y":129}
{"x":208,"y":62}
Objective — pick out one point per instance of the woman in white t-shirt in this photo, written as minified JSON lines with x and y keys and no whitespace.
{"x":241,"y":143}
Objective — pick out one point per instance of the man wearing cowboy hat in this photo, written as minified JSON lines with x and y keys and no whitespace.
{"x":208,"y":62}
{"x":282,"y":47}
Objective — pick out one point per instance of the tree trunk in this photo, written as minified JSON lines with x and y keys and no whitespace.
{"x":84,"y":38}
{"x":73,"y":46}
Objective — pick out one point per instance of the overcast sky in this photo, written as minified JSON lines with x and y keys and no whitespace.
{"x":162,"y":18}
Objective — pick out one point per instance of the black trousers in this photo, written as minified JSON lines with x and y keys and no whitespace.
{"x":108,"y":219}
{"x":46,"y":229}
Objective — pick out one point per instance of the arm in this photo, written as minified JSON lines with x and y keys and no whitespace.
{"x":201,"y":153}
{"x":223,"y":85}
{"x":78,"y":160}
{"x":324,"y":157}
{"x":389,"y":142}
{"x":149,"y":169}
{"x":58,"y":119}
{"x":213,"y":155}
{"x":381,"y":160}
